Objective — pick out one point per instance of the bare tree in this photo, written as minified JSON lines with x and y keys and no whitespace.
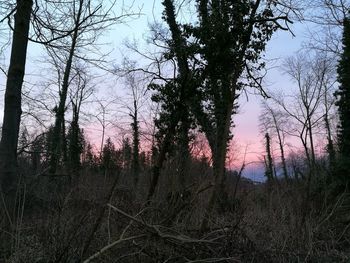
{"x":137,"y":86}
{"x":327,"y":16}
{"x":271,"y":121}
{"x":89,"y":19}
{"x":304,"y":105}
{"x":308,"y":106}
{"x":79,"y":92}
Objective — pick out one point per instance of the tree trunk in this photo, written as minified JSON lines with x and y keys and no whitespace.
{"x":183,"y":153}
{"x":64,"y":142}
{"x":280,"y":142}
{"x":313,"y":158}
{"x":55,"y":151}
{"x":164,"y":148}
{"x":219,"y":150}
{"x":330,"y":145}
{"x":12,"y":110}
{"x":283,"y":159}
{"x":179,"y":48}
{"x":74,"y":142}
{"x":136,"y":143}
{"x":269,"y":163}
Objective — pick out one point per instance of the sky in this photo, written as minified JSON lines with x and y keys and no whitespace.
{"x":246,"y":131}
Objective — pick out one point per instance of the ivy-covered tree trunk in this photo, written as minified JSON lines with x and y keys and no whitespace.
{"x":159,"y":161}
{"x":226,"y":42}
{"x":343,"y":104}
{"x":330,"y":144}
{"x":179,"y":115}
{"x":179,"y":47}
{"x":12,"y":114}
{"x":183,"y":152}
{"x":218,"y":146}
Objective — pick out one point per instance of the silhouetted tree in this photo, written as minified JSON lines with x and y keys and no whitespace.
{"x":126,"y":153}
{"x":174,"y":120}
{"x":36,"y":152}
{"x":212,"y":57}
{"x":272,"y":121}
{"x":75,"y":141}
{"x":89,"y":158}
{"x":108,"y":161}
{"x":343,"y":103}
{"x":12,"y":119}
{"x":231,"y":38}
{"x":88,"y":19}
{"x":12,"y":110}
{"x":269,"y":171}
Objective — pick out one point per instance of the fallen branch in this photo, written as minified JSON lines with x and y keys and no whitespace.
{"x":104,"y":249}
{"x":180,"y":238}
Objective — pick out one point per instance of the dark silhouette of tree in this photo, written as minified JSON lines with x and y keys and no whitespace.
{"x":135,"y":144}
{"x":126,"y":154}
{"x":212,"y":56}
{"x":173,"y":97}
{"x":12,"y":111}
{"x":79,"y":92}
{"x":88,"y":18}
{"x":36,"y":153}
{"x":232,"y":37}
{"x":75,"y":143}
{"x":108,"y":161}
{"x":138,"y":88}
{"x":89,"y":160}
{"x":83,"y":17}
{"x":272,"y":121}
{"x":269,"y":170}
{"x":12,"y":118}
{"x":343,"y":103}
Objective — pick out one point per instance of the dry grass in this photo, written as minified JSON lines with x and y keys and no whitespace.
{"x":82,"y":223}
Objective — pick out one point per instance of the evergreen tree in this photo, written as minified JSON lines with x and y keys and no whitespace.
{"x":89,"y":157}
{"x":343,"y":103}
{"x":108,"y":161}
{"x":36,"y":152}
{"x":126,"y":152}
{"x":75,"y":142}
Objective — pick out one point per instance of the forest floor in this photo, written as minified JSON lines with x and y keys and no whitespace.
{"x":102,"y":219}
